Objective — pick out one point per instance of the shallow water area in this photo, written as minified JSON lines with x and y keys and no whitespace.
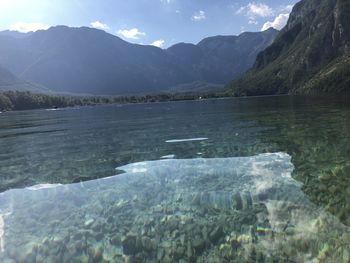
{"x":203,"y":210}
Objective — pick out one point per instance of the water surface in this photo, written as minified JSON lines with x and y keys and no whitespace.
{"x":256,"y":179}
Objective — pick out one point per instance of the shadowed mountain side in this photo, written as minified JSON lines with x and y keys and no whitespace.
{"x":219,"y":59}
{"x":6,"y":78}
{"x":85,"y":60}
{"x":10,"y":82}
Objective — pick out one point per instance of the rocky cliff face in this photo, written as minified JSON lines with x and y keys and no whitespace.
{"x":310,"y":55}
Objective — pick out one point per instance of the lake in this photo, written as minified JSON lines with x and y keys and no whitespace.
{"x":232,"y":180}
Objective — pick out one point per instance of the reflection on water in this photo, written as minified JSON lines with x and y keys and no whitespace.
{"x":240,"y":209}
{"x":316,"y":133}
{"x":186,"y":140}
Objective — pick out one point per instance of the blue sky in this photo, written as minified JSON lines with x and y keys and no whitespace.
{"x":158,"y":22}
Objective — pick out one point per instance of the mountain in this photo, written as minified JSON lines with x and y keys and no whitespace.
{"x":310,"y":55}
{"x":6,"y":78}
{"x":10,"y":82}
{"x":14,"y":34}
{"x":91,"y":61}
{"x":219,"y":59}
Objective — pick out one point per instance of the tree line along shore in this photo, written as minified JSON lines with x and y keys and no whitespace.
{"x":25,"y":100}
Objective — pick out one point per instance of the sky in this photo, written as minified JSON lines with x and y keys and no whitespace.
{"x":150,"y":22}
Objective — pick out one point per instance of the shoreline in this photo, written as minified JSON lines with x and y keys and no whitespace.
{"x":78,"y":102}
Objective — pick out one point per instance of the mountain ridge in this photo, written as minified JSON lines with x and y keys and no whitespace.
{"x":91,"y":61}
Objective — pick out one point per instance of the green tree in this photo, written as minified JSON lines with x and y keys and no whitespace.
{"x":5,"y":103}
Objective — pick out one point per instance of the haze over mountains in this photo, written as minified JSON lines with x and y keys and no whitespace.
{"x":10,"y":82}
{"x":310,"y":55}
{"x":6,"y":78}
{"x":90,"y":61}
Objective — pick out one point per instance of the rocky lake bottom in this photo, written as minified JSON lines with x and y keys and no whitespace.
{"x":242,"y":209}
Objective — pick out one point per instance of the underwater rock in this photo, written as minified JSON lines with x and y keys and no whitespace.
{"x":180,"y":251}
{"x":89,"y":223}
{"x":346,"y":256}
{"x":226,"y":200}
{"x":216,"y":234}
{"x":167,"y":259}
{"x":199,"y":246}
{"x":160,"y":254}
{"x":130,"y":245}
{"x":132,"y":259}
{"x":96,"y":254}
{"x":148,"y":244}
{"x":189,"y":250}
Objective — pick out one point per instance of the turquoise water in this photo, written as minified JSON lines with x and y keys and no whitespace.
{"x":240,"y":180}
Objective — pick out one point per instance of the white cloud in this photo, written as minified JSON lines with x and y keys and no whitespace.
{"x":158,"y":43}
{"x":133,"y":33}
{"x":198,"y":16}
{"x":253,"y":22}
{"x":167,"y":1}
{"x":28,"y":27}
{"x":254,"y":10}
{"x":279,"y":22}
{"x":99,"y":25}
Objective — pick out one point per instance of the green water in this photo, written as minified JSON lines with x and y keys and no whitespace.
{"x":249,"y":180}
